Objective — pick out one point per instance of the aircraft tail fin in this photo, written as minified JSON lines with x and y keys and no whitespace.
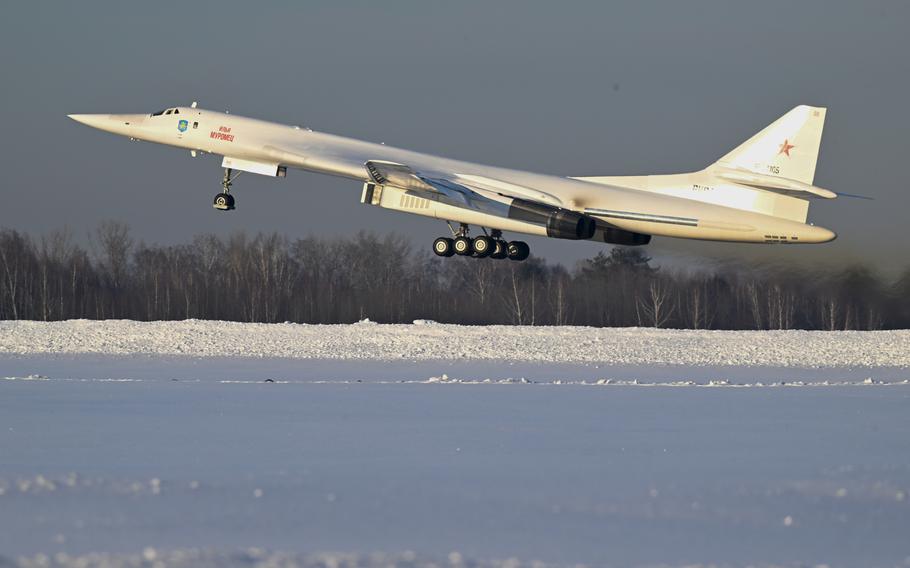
{"x":788,"y":148}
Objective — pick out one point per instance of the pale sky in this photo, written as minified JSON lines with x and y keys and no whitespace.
{"x":567,"y":88}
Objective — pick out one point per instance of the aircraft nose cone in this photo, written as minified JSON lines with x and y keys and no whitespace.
{"x":93,"y":120}
{"x":124,"y":124}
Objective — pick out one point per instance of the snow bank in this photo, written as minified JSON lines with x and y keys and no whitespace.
{"x":431,"y":341}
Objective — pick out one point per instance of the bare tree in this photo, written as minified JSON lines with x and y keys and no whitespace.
{"x":12,"y":256}
{"x":655,"y":305}
{"x":558,"y":292}
{"x":829,"y":310}
{"x":114,"y":247}
{"x":513,"y":297}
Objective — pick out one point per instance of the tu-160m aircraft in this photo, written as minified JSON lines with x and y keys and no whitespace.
{"x":757,"y":193}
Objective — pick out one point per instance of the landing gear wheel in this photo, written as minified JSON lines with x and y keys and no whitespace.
{"x":483,"y":246}
{"x":500,"y":249}
{"x":463,"y":246}
{"x":444,"y":246}
{"x":519,"y":250}
{"x":223,"y":202}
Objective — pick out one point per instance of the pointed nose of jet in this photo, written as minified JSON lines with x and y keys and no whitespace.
{"x":124,"y":124}
{"x":93,"y":120}
{"x":106,"y":122}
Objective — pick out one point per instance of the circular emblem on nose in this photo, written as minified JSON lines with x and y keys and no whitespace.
{"x":183,"y":125}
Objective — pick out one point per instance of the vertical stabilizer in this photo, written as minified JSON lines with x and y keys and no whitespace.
{"x":788,"y":148}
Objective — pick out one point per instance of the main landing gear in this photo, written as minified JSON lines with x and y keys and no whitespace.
{"x":224,"y":201}
{"x":483,"y":246}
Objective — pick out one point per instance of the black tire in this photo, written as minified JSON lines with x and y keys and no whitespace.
{"x":462,"y":246}
{"x":444,"y":247}
{"x":483,"y":246}
{"x":519,"y":250}
{"x":223,"y":202}
{"x":500,"y":250}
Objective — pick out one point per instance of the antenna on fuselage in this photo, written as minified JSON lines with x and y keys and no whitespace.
{"x":193,"y":105}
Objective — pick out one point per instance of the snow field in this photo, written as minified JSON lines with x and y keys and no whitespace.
{"x":430,"y":341}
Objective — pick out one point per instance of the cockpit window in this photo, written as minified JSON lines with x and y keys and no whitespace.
{"x":169,"y":111}
{"x":176,"y":111}
{"x":159,"y":113}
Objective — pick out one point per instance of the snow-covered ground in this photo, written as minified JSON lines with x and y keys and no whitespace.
{"x":214,"y":444}
{"x":431,"y":341}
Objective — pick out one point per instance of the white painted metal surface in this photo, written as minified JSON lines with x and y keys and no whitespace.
{"x":756,"y":193}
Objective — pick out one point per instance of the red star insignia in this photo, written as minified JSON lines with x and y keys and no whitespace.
{"x":785,"y":148}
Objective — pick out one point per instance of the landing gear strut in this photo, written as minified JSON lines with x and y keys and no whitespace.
{"x":483,"y":246}
{"x":224,"y":201}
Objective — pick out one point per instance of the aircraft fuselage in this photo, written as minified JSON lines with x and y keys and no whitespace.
{"x":684,"y":210}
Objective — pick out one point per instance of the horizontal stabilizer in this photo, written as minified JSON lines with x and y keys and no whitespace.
{"x":785,"y":186}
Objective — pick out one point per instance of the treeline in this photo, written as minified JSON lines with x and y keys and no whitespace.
{"x":270,"y":278}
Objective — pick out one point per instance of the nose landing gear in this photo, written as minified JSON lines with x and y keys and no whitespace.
{"x":224,"y":201}
{"x":483,"y":246}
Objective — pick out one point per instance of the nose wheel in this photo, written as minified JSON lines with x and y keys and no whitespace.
{"x":224,"y":201}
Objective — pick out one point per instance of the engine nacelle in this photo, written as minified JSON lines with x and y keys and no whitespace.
{"x":560,"y":223}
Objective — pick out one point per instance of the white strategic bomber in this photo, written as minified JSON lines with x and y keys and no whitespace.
{"x":757,"y":193}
